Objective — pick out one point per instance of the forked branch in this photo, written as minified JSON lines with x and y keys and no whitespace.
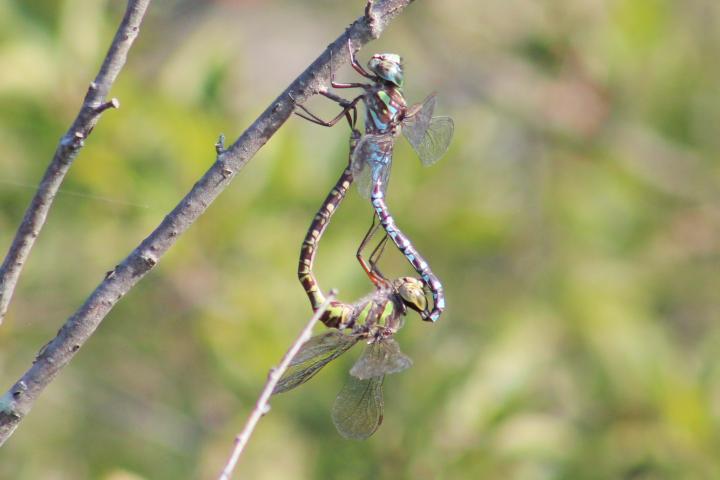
{"x":70,"y":144}
{"x":52,"y":358}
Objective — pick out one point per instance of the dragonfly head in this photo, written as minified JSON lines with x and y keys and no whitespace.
{"x":412,"y":293}
{"x":387,"y":66}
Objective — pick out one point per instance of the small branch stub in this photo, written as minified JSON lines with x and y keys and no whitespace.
{"x":371,"y":18}
{"x":220,"y":144}
{"x":79,"y":327}
{"x":78,"y":140}
{"x":114,"y":103}
{"x":68,"y":148}
{"x":149,"y":261}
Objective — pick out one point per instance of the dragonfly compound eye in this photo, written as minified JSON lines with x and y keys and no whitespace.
{"x":387,"y":66}
{"x":412,"y":292}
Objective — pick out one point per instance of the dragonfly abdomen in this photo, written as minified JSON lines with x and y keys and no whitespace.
{"x":338,"y":315}
{"x":405,"y":246}
{"x":315,"y":231}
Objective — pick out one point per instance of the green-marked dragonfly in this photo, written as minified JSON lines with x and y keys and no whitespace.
{"x":358,"y":408}
{"x":387,"y":115}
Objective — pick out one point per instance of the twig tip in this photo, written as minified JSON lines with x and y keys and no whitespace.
{"x":220,"y":144}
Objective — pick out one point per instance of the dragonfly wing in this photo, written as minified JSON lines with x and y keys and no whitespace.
{"x":358,"y":409}
{"x":380,"y":358}
{"x":361,"y":169}
{"x":429,"y":136}
{"x":415,"y":125}
{"x":314,"y":355}
{"x":371,"y":162}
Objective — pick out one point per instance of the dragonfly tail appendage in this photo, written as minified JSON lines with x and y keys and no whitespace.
{"x":413,"y":256}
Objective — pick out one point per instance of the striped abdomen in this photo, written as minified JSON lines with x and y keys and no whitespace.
{"x":338,"y":312}
{"x":404,"y":245}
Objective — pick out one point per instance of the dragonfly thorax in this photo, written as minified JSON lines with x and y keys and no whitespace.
{"x":381,"y":314}
{"x":378,"y":315}
{"x":386,"y":107}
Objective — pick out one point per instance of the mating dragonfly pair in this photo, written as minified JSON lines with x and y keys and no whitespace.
{"x":358,"y":408}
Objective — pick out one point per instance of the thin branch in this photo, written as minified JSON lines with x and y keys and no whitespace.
{"x":70,"y":144}
{"x":18,"y":400}
{"x":262,"y":406}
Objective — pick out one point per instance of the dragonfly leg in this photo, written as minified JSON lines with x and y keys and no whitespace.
{"x":345,"y":104}
{"x":374,"y":275}
{"x":312,"y":118}
{"x":344,"y":113}
{"x":376,"y":254}
{"x":356,"y":66}
{"x":350,"y":105}
{"x":347,"y":85}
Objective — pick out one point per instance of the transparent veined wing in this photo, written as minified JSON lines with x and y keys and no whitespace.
{"x":314,"y":355}
{"x":371,"y":161}
{"x":429,"y":136}
{"x":418,"y":119}
{"x":358,"y":409}
{"x":380,"y":358}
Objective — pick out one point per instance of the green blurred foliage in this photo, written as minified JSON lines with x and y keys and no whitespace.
{"x":574,"y":223}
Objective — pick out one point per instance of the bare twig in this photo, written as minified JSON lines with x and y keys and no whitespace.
{"x":18,"y":400}
{"x":262,"y":406}
{"x":68,"y":148}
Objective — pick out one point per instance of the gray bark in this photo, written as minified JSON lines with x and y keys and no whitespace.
{"x":52,"y":358}
{"x":70,"y":145}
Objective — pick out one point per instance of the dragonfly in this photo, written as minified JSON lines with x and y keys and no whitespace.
{"x":338,"y":313}
{"x":387,"y":115}
{"x":358,"y":409}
